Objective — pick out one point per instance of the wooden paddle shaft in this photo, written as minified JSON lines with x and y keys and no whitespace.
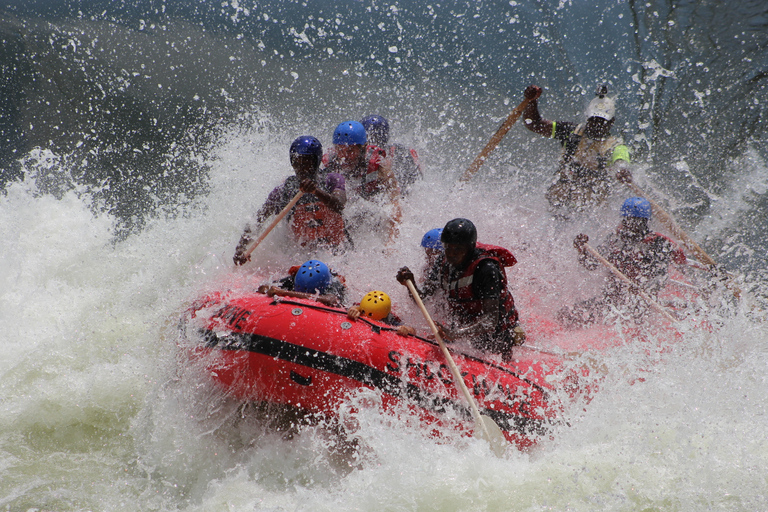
{"x":451,"y":364}
{"x":655,"y":305}
{"x":274,"y":223}
{"x":500,"y":133}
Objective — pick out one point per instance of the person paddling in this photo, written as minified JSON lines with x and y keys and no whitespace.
{"x":589,"y":152}
{"x":473,"y":278}
{"x":361,"y":163}
{"x":405,"y":161}
{"x":316,"y":220}
{"x":369,"y":176}
{"x":637,"y":252}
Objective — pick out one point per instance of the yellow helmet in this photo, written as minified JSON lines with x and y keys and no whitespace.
{"x":376,"y":305}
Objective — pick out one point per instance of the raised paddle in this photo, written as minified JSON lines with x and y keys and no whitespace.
{"x":655,"y":305}
{"x":272,"y":225}
{"x":500,"y":133}
{"x":485,"y":427}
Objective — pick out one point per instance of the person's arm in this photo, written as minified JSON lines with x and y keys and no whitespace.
{"x":431,"y":282}
{"x":247,"y":237}
{"x":336,"y":200}
{"x":531,"y":117}
{"x":240,"y":258}
{"x":585,"y":258}
{"x":392,"y":187}
{"x":271,"y":291}
{"x":485,"y":323}
{"x":487,"y":284}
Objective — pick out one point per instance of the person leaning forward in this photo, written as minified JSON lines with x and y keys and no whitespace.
{"x":589,"y":152}
{"x":316,"y":220}
{"x":473,"y":278}
{"x":642,"y":255}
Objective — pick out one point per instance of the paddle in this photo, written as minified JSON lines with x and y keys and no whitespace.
{"x":272,"y":225}
{"x":687,"y":242}
{"x":485,"y":427}
{"x":500,"y":133}
{"x":655,"y":305}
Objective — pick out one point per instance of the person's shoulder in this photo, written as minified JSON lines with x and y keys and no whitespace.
{"x":488,"y":262}
{"x":290,"y":183}
{"x":660,"y":238}
{"x":562,"y":130}
{"x":487,"y":267}
{"x":668,"y":245}
{"x":280,"y":190}
{"x":611,"y":241}
{"x":334,"y":181}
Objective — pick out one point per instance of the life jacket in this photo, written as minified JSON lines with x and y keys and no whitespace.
{"x":312,"y":221}
{"x":316,"y":223}
{"x":461,"y":298}
{"x":374,"y":158}
{"x":636,"y":263}
{"x":584,"y":158}
{"x":366,"y":170}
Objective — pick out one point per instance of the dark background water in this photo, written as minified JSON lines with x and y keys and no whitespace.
{"x":134,"y":94}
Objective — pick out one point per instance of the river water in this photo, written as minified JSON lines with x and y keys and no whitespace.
{"x":138,"y":138}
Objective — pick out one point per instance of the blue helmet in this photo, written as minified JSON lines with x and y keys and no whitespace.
{"x":306,"y":145}
{"x":377,"y":129}
{"x":348,"y":133}
{"x":312,"y":277}
{"x":431,"y":239}
{"x":636,"y":207}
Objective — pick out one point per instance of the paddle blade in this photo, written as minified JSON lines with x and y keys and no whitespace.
{"x":494,"y":435}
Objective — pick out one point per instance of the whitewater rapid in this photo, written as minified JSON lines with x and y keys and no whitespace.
{"x":96,"y":414}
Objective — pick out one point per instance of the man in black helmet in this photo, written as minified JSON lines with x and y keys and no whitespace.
{"x":474,"y":282}
{"x":589,"y":152}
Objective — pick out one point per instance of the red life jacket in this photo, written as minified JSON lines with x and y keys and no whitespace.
{"x":632,"y":266}
{"x":374,"y":157}
{"x":316,"y":223}
{"x":366,"y":170}
{"x":462,"y":300}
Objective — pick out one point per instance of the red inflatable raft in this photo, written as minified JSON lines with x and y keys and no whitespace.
{"x":310,"y":357}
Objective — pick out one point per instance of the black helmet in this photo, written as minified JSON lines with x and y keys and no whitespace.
{"x":459,"y":232}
